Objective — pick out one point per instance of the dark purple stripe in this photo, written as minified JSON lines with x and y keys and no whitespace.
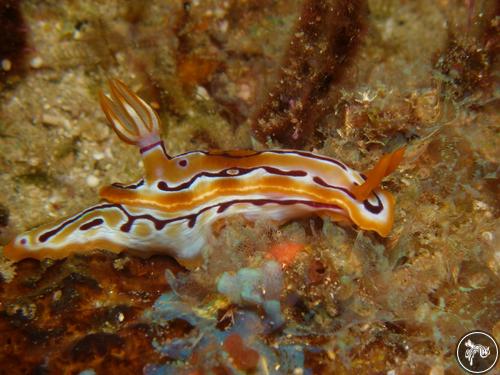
{"x":131,"y":187}
{"x":91,"y":224}
{"x":323,"y":183}
{"x":149,"y":147}
{"x":191,"y":218}
{"x":374,"y":209}
{"x":370,"y":207}
{"x":305,"y":154}
{"x":162,"y":185}
{"x":165,"y":150}
{"x":287,"y":202}
{"x":153,"y":145}
{"x":47,"y":235}
{"x":224,"y":154}
{"x":313,"y":156}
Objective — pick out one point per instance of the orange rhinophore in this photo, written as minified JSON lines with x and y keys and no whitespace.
{"x":175,"y":208}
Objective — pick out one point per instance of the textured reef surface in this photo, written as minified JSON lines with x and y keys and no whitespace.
{"x":347,"y":79}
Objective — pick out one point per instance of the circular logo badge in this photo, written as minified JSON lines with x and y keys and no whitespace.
{"x":477,"y":352}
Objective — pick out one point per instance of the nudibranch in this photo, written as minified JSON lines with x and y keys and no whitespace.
{"x":175,"y":207}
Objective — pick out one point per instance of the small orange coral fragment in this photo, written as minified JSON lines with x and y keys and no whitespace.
{"x":285,"y":252}
{"x":386,"y":165}
{"x":244,"y":357}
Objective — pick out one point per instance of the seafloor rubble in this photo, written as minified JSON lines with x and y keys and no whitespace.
{"x":348,"y":79}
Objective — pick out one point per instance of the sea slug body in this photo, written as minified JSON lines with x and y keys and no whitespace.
{"x":173,"y":209}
